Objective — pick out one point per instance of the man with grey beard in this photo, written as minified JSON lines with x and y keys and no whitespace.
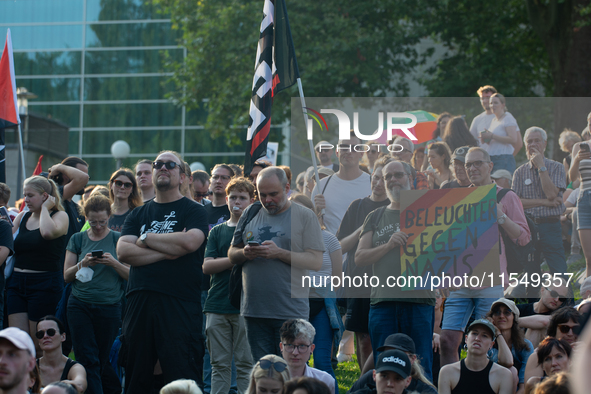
{"x":392,"y":310}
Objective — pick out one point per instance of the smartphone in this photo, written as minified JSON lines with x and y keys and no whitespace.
{"x":4,"y":213}
{"x":253,"y":243}
{"x":97,"y":253}
{"x":584,"y":147}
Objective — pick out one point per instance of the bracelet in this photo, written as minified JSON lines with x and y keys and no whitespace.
{"x":498,"y":336}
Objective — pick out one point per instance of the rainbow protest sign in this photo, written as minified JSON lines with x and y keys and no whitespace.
{"x":452,"y":233}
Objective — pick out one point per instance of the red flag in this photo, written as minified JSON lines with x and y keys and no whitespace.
{"x":275,"y":69}
{"x":38,"y":169}
{"x":8,"y":102}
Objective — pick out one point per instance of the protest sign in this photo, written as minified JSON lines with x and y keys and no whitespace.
{"x":453,"y":233}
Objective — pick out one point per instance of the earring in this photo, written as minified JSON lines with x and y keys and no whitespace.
{"x":465,"y":346}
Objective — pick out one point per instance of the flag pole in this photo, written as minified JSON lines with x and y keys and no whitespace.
{"x":20,"y":145}
{"x":303,"y":100}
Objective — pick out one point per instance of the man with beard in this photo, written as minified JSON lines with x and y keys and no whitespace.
{"x":277,"y":248}
{"x":17,"y":360}
{"x":163,"y":241}
{"x":392,"y":310}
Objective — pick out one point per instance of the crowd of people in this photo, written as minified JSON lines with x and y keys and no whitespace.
{"x":172,"y":281}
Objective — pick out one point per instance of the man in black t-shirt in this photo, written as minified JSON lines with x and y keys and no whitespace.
{"x":163,"y":241}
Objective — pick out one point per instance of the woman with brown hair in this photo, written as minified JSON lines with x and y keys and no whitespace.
{"x":125,"y":196}
{"x":457,"y":134}
{"x":439,"y":157}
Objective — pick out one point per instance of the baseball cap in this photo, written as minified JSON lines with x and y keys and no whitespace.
{"x":399,"y":341}
{"x":325,"y":171}
{"x":482,"y":322}
{"x":18,"y":338}
{"x":395,"y":361}
{"x":322,"y":143}
{"x":460,"y":153}
{"x":498,"y":174}
{"x":510,"y":304}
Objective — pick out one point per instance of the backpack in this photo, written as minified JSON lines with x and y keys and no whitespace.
{"x":518,"y":256}
{"x":235,"y":285}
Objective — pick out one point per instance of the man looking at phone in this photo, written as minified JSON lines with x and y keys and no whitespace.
{"x":540,"y":183}
{"x":289,"y":244}
{"x":163,"y":241}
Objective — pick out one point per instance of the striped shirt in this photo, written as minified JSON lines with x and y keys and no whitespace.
{"x":528,"y":185}
{"x":585,"y":171}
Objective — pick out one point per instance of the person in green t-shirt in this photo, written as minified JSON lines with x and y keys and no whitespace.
{"x":392,"y":310}
{"x":225,"y":329}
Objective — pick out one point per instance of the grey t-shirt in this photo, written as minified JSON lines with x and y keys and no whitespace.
{"x":268,"y":284}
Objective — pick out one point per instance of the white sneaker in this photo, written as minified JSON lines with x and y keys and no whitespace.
{"x":344,"y":358}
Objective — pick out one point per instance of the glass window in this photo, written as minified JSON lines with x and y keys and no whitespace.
{"x":73,"y":140}
{"x":136,"y":115}
{"x":47,"y":63}
{"x":111,"y":62}
{"x":128,"y":88}
{"x":69,"y":114}
{"x":131,"y":35}
{"x":100,"y":169}
{"x":55,"y":89}
{"x":46,"y":37}
{"x":121,"y":10}
{"x":196,"y":117}
{"x":37,"y":11}
{"x":97,"y":142}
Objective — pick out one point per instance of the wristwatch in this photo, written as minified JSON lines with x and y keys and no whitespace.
{"x":543,"y":168}
{"x":501,"y":219}
{"x":143,"y":238}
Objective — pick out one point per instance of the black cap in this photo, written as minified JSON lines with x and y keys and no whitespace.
{"x":400,"y":342}
{"x":394,"y":361}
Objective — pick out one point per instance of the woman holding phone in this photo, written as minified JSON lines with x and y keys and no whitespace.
{"x":581,"y":167}
{"x":94,"y":307}
{"x":35,"y":287}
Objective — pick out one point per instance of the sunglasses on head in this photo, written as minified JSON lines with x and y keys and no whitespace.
{"x":127,"y":185}
{"x":555,"y":294}
{"x":170,"y":165}
{"x":41,"y":333}
{"x":278,"y":366}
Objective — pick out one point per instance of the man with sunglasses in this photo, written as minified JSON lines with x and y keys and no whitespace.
{"x":201,"y":187}
{"x":324,"y":153}
{"x":164,"y":242}
{"x":540,"y":183}
{"x":297,"y":345}
{"x":462,"y":303}
{"x":535,"y":316}
{"x":393,"y":311}
{"x":461,"y":177}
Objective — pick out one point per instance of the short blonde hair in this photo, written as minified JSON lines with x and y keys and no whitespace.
{"x":181,"y":386}
{"x":568,"y":136}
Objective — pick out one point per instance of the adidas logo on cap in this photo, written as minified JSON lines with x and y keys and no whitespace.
{"x":393,"y":359}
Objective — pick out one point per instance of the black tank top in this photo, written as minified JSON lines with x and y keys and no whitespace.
{"x":33,"y":252}
{"x":69,"y":364}
{"x":473,"y":381}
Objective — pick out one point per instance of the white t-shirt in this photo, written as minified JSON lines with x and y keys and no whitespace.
{"x":499,"y":127}
{"x":573,"y":197}
{"x":339,"y":194}
{"x":322,"y":376}
{"x":481,"y":123}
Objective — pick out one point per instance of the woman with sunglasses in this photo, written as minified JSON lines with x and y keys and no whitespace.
{"x":94,"y":307}
{"x":53,"y":365}
{"x":269,"y":376}
{"x":35,"y":287}
{"x":511,"y":349}
{"x":553,"y":358}
{"x":125,"y":196}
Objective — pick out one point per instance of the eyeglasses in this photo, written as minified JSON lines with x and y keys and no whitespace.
{"x":267,"y":364}
{"x":170,"y":165}
{"x":290,"y":348}
{"x":41,"y":333}
{"x":201,"y":195}
{"x":344,"y":147}
{"x":127,"y":185}
{"x":476,"y":164}
{"x":94,"y":223}
{"x":566,"y":328}
{"x":505,"y":312}
{"x":397,"y":175}
{"x":222,"y":177}
{"x":555,"y":294}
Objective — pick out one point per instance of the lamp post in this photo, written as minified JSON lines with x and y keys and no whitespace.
{"x":120,"y":150}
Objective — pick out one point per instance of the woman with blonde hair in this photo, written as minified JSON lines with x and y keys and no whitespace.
{"x":269,"y":375}
{"x":502,"y":140}
{"x":35,"y":287}
{"x":567,"y":141}
{"x":181,"y":386}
